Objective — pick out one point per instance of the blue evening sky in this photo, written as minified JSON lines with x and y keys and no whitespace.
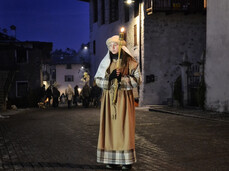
{"x":63,"y":22}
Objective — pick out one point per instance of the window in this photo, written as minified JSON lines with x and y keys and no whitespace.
{"x":95,"y":10}
{"x":136,"y":8}
{"x":205,"y":4}
{"x":126,"y":11}
{"x":135,"y":35}
{"x":45,"y":76}
{"x":69,"y":66}
{"x":195,"y":5}
{"x":21,"y":55}
{"x":21,"y":88}
{"x":53,"y":73}
{"x":69,"y":78}
{"x":102,"y":12}
{"x":148,"y":3}
{"x":114,"y":15}
{"x":94,"y":46}
{"x":148,"y":7}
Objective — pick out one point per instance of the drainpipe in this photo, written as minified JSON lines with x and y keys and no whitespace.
{"x":184,"y":78}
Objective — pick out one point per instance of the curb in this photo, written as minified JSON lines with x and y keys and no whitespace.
{"x":186,"y":115}
{"x":14,"y":112}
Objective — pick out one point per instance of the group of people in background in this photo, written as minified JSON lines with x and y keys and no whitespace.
{"x":52,"y":93}
{"x":89,"y":96}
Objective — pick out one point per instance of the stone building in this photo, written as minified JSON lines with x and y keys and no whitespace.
{"x":21,"y":70}
{"x":68,"y":68}
{"x":162,"y":35}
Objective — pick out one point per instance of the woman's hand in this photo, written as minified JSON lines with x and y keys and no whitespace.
{"x":118,"y":72}
{"x":115,"y":74}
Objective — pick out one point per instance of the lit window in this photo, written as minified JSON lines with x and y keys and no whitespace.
{"x":149,"y":7}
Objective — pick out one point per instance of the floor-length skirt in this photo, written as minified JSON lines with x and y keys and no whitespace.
{"x":116,"y":143}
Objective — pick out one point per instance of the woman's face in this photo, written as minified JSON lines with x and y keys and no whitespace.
{"x":113,"y":47}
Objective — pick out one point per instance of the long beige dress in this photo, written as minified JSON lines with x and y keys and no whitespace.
{"x":116,"y":142}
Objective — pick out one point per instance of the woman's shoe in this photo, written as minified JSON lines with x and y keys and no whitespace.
{"x":112,"y":166}
{"x":109,"y":166}
{"x":126,"y":167}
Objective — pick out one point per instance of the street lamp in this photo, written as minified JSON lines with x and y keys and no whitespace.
{"x":129,"y":2}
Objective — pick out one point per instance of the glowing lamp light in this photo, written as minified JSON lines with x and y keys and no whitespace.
{"x":129,"y":2}
{"x":85,"y":47}
{"x":46,"y":100}
{"x":121,"y":34}
{"x":122,"y":29}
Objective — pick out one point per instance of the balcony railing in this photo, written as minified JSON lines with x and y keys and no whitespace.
{"x":178,"y":5}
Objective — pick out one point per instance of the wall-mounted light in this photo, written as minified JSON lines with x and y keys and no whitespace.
{"x":129,"y":2}
{"x":85,"y":47}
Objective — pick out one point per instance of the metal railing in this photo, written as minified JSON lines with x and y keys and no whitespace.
{"x":178,"y":5}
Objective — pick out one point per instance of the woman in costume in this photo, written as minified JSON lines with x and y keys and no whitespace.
{"x":116,"y":142}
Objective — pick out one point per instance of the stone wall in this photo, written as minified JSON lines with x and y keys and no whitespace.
{"x":217,"y":61}
{"x":166,"y":39}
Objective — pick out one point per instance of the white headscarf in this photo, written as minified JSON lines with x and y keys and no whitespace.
{"x":104,"y":64}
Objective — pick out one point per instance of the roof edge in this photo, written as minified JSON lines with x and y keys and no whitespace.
{"x":84,"y":0}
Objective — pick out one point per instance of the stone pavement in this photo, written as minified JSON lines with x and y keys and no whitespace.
{"x":65,"y":139}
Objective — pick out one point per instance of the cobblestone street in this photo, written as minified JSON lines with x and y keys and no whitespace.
{"x":66,"y":139}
